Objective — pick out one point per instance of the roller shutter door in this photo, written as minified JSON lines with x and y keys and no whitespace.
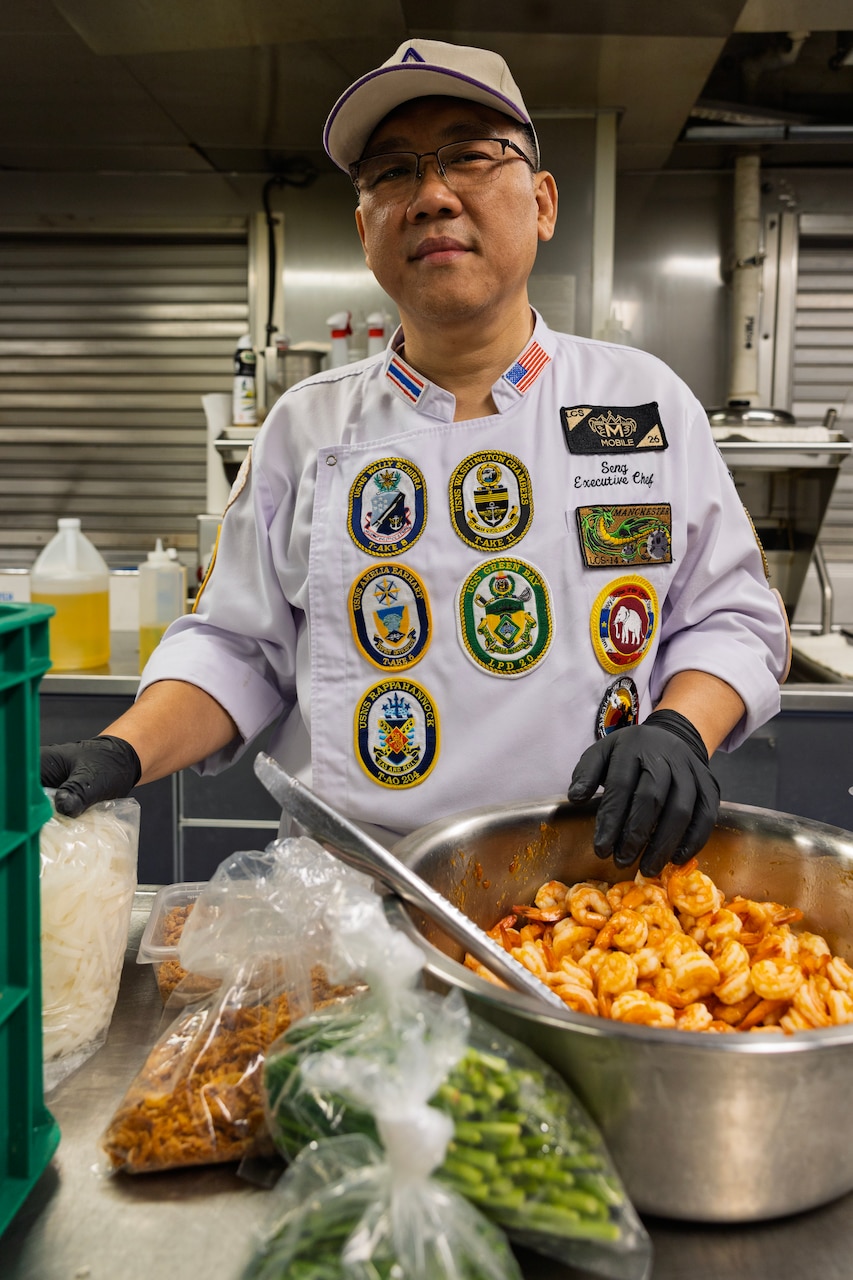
{"x":107,"y":342}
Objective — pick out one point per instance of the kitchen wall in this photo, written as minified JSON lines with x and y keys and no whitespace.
{"x":672,"y":234}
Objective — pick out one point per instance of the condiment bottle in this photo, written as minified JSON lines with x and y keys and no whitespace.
{"x":244,"y":400}
{"x":71,"y":574}
{"x":162,"y":598}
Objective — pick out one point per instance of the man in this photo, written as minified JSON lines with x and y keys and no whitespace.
{"x":455,"y":572}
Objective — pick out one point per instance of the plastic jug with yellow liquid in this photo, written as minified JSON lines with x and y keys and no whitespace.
{"x":72,"y":575}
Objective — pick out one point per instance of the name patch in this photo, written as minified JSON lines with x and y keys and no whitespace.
{"x":504,"y":614}
{"x":387,"y":507}
{"x":389,"y":616}
{"x":601,"y":428}
{"x":623,"y":623}
{"x":396,"y":733}
{"x":491,"y":504}
{"x":636,"y":534}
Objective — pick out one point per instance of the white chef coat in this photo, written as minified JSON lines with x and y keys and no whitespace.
{"x":411,"y":599}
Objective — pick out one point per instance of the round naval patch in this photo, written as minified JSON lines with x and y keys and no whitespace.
{"x":619,"y":706}
{"x":491,"y":503}
{"x":396,"y":733}
{"x":503,"y":610}
{"x":623,"y":623}
{"x":389,"y":615}
{"x":387,"y":507}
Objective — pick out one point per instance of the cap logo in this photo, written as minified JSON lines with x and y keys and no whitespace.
{"x":412,"y":55}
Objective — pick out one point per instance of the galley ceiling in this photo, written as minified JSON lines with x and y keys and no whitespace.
{"x":244,"y":86}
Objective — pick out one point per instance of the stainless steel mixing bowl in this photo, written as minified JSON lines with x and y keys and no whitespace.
{"x":713,"y":1128}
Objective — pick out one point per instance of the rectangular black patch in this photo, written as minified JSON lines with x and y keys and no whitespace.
{"x":613,"y":429}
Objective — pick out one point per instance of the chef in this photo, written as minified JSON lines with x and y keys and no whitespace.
{"x":490,"y":560}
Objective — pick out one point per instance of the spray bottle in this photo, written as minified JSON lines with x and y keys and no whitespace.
{"x":162,"y":597}
{"x":244,"y":407}
{"x":375,"y":333}
{"x":71,"y":574}
{"x":340,"y":329}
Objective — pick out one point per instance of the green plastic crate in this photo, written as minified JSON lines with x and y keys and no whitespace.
{"x":28,"y":1132}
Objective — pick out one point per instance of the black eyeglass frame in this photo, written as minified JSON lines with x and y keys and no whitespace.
{"x":419,"y":156}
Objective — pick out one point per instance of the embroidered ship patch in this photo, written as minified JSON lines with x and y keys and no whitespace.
{"x":396,"y":733}
{"x":491,"y":503}
{"x":503,"y":610}
{"x":389,"y":615}
{"x":387,"y":507}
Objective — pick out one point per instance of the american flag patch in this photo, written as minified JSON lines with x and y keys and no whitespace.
{"x":527,"y":367}
{"x":403,"y":378}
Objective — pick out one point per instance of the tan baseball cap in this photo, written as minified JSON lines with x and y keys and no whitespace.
{"x":418,"y":69}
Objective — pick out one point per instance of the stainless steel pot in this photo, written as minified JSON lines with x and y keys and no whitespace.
{"x":713,"y":1128}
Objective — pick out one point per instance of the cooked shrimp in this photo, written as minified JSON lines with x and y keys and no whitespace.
{"x":578,"y":998}
{"x":691,"y":891}
{"x":778,"y":943}
{"x":626,"y":930}
{"x":695,"y":975}
{"x":694,"y":1017}
{"x":478,"y":968}
{"x":644,"y":893}
{"x":764,"y":1013}
{"x":723,"y":924}
{"x":618,"y":973}
{"x":506,"y":933}
{"x":648,"y":962}
{"x":776,"y":979}
{"x":736,"y":979}
{"x":840,"y":974}
{"x":840,"y":1006}
{"x":642,"y":1009}
{"x":616,"y":892}
{"x":814,"y":953}
{"x":810,"y":1001}
{"x":588,"y":905}
{"x":572,"y":939}
{"x":532,"y":958}
{"x":551,"y":895}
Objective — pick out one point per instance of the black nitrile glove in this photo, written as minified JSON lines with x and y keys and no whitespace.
{"x":660,"y":797}
{"x":84,"y":773}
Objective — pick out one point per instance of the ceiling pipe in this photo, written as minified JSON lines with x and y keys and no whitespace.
{"x":746,"y":282}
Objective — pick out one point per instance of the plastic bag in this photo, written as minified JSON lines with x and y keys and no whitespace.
{"x":87,"y":883}
{"x":352,"y":1210}
{"x":523,"y":1150}
{"x":256,"y":933}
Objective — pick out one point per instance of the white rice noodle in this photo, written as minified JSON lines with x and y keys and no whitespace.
{"x":88,"y":878}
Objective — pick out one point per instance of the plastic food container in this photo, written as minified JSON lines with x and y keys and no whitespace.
{"x":159,"y":944}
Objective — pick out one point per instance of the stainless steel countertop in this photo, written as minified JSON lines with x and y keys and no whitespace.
{"x":82,"y":1224}
{"x":119,"y":676}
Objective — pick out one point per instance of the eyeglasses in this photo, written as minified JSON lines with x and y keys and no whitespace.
{"x":462,"y":165}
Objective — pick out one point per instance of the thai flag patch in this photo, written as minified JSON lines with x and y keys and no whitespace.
{"x":405,"y":380}
{"x":527,"y":367}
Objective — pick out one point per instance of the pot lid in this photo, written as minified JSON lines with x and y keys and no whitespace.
{"x":736,"y":415}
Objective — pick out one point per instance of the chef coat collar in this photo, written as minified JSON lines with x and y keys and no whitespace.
{"x":433,"y":401}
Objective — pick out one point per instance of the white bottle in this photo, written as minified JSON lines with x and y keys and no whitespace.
{"x":71,"y":575}
{"x":162,"y":598}
{"x":244,"y":398}
{"x":375,"y":333}
{"x":340,"y":330}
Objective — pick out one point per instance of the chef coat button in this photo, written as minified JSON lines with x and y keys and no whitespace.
{"x":331,"y":461}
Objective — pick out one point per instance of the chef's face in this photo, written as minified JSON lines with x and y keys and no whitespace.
{"x":446,"y":255}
